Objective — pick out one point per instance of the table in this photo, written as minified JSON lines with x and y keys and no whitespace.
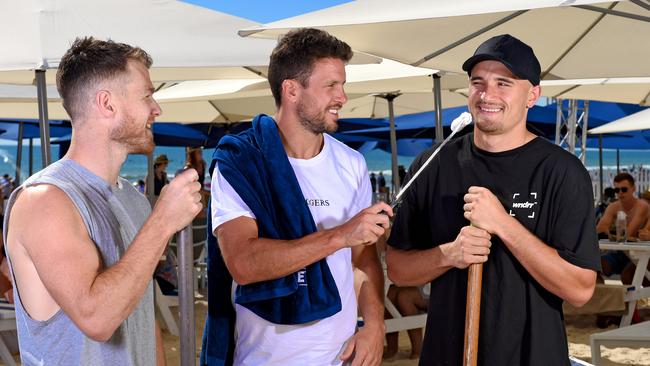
{"x":636,"y":291}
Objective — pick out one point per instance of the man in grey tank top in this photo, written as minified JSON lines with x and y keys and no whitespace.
{"x":82,"y":242}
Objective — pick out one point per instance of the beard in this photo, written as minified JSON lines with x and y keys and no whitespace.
{"x":136,"y":138}
{"x":316,"y":121}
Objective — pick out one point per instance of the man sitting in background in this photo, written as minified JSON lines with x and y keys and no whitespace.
{"x":637,"y":212}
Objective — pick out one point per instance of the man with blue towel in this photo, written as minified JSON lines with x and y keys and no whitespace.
{"x":291,"y":210}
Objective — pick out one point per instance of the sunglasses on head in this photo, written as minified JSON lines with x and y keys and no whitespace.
{"x":622,"y":189}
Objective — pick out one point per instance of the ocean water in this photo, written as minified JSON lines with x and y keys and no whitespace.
{"x":135,"y":166}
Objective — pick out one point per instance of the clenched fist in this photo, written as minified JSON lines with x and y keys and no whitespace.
{"x":180,"y":200}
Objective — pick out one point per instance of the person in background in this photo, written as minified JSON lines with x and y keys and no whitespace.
{"x":160,"y":178}
{"x":381,"y":182}
{"x":139,"y":185}
{"x":408,"y":300}
{"x":609,"y":196}
{"x":637,"y":212}
{"x":401,"y":173}
{"x":195,"y":160}
{"x":373,"y":182}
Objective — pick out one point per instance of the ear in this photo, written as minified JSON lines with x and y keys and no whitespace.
{"x":290,"y":90}
{"x":533,"y":95}
{"x":105,"y":103}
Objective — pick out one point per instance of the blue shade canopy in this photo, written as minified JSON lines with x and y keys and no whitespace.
{"x":415,"y":131}
{"x":31,"y":130}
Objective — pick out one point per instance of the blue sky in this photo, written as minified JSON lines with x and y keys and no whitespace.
{"x":266,"y":11}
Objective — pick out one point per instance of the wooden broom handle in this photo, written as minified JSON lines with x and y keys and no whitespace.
{"x":472,"y":314}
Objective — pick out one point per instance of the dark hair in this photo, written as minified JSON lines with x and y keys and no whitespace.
{"x":89,"y":61}
{"x":624,"y":176}
{"x":295,"y":54}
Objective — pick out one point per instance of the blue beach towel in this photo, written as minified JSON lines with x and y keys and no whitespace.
{"x":269,"y":187}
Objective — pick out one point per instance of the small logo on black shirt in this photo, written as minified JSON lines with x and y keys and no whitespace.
{"x":524,"y":207}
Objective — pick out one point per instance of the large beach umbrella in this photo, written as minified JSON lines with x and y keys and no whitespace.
{"x":620,"y":90}
{"x":633,"y":122}
{"x":573,"y":40}
{"x":208,"y":100}
{"x":179,"y":36}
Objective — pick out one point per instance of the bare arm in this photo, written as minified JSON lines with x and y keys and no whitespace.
{"x":252,"y":259}
{"x":418,"y":267}
{"x":607,"y":219}
{"x":47,"y":234}
{"x":638,"y":220}
{"x":644,"y":233}
{"x":567,"y":281}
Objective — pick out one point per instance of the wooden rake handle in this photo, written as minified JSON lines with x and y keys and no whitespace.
{"x":472,"y":314}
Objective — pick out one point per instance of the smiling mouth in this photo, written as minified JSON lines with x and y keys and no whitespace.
{"x":489,"y":109}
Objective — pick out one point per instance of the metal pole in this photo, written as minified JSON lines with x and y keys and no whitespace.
{"x":558,"y":121}
{"x":149,"y":183}
{"x":44,"y":124}
{"x":19,"y":152}
{"x":186,"y":296}
{"x":600,"y":165}
{"x":393,"y":143}
{"x":571,"y":126}
{"x":583,"y":135}
{"x":618,"y":161}
{"x":31,"y":156}
{"x":437,"y":97}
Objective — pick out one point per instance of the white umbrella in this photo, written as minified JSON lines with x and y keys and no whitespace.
{"x":633,"y":122}
{"x":209,"y":100}
{"x":186,"y":42}
{"x":572,"y":42}
{"x":620,"y":90}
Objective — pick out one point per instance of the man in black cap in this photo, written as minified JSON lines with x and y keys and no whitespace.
{"x":531,"y":212}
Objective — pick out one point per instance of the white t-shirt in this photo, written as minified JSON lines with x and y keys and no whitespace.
{"x":336,"y":186}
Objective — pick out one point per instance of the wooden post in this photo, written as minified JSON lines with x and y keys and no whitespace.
{"x":472,"y":314}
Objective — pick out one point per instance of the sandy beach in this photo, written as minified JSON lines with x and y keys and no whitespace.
{"x":579,"y":328}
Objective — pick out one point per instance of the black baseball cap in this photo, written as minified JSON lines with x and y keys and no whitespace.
{"x":517,"y":56}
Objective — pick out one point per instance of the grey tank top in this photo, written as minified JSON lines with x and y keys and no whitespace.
{"x":112,"y":216}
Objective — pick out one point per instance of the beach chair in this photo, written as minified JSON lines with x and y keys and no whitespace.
{"x":637,"y":335}
{"x":7,"y":327}
{"x":164,"y":303}
{"x":200,"y":239}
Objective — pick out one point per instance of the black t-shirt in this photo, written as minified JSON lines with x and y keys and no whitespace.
{"x":549,"y":192}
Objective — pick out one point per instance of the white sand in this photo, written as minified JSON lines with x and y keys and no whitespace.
{"x":579,"y":327}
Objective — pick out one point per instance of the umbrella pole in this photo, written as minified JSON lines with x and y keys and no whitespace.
{"x":31,"y":156}
{"x":437,"y":97}
{"x":472,"y":314}
{"x":393,"y":139}
{"x":393,"y":143}
{"x":600,"y":166}
{"x":618,"y":161}
{"x":44,"y":124}
{"x":186,"y":296}
{"x":19,"y":152}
